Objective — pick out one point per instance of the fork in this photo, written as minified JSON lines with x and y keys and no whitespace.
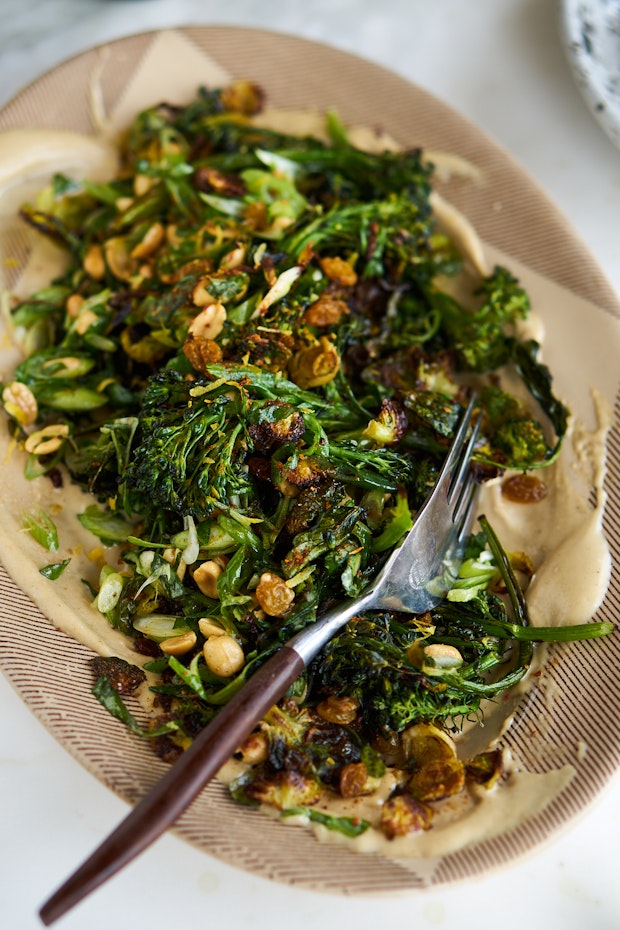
{"x":415,"y":578}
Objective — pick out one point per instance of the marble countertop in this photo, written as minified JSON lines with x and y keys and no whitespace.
{"x":500,"y":63}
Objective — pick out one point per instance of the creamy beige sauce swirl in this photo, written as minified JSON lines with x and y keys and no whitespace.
{"x":562,"y":534}
{"x":35,"y":153}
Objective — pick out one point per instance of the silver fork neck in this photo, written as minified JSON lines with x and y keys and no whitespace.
{"x":309,"y":642}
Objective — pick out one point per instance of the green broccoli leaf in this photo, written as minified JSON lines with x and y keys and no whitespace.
{"x":481,"y":337}
{"x":538,"y":380}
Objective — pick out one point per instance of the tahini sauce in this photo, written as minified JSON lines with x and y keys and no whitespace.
{"x":562,"y":534}
{"x":28,"y":153}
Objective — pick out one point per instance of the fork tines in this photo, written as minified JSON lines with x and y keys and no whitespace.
{"x":462,"y":487}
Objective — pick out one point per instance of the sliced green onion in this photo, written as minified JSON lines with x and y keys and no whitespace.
{"x":348,"y":826}
{"x":111,"y":585}
{"x":41,"y":527}
{"x":160,"y":626}
{"x":54,"y":570}
{"x":192,"y":548}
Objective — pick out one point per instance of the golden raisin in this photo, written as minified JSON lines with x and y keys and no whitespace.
{"x":326,"y":311}
{"x":274,"y":595}
{"x":337,"y":269}
{"x":201,"y":352}
{"x":341,"y":710}
{"x":354,"y":781}
{"x":524,"y":489}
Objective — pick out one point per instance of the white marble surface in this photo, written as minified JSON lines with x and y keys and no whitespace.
{"x":500,"y":63}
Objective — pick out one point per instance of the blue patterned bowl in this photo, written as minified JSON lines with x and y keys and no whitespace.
{"x":591,"y":34}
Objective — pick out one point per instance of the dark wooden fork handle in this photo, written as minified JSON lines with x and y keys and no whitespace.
{"x":176,"y":790}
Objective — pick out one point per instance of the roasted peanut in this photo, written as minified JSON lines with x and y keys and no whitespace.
{"x":255,"y":748}
{"x":206,"y":577}
{"x":123,"y":203}
{"x":179,"y":645}
{"x":85,"y":320}
{"x":233,"y":259}
{"x":142,"y":184}
{"x":94,"y":264}
{"x":209,"y":627}
{"x":150,"y":242}
{"x":209,"y":323}
{"x":47,"y":440}
{"x":73,"y":304}
{"x":440,"y":656}
{"x":223,"y":655}
{"x":201,"y":297}
{"x":171,"y":555}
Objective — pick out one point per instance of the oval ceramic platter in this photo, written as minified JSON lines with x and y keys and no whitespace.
{"x":570,"y":715}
